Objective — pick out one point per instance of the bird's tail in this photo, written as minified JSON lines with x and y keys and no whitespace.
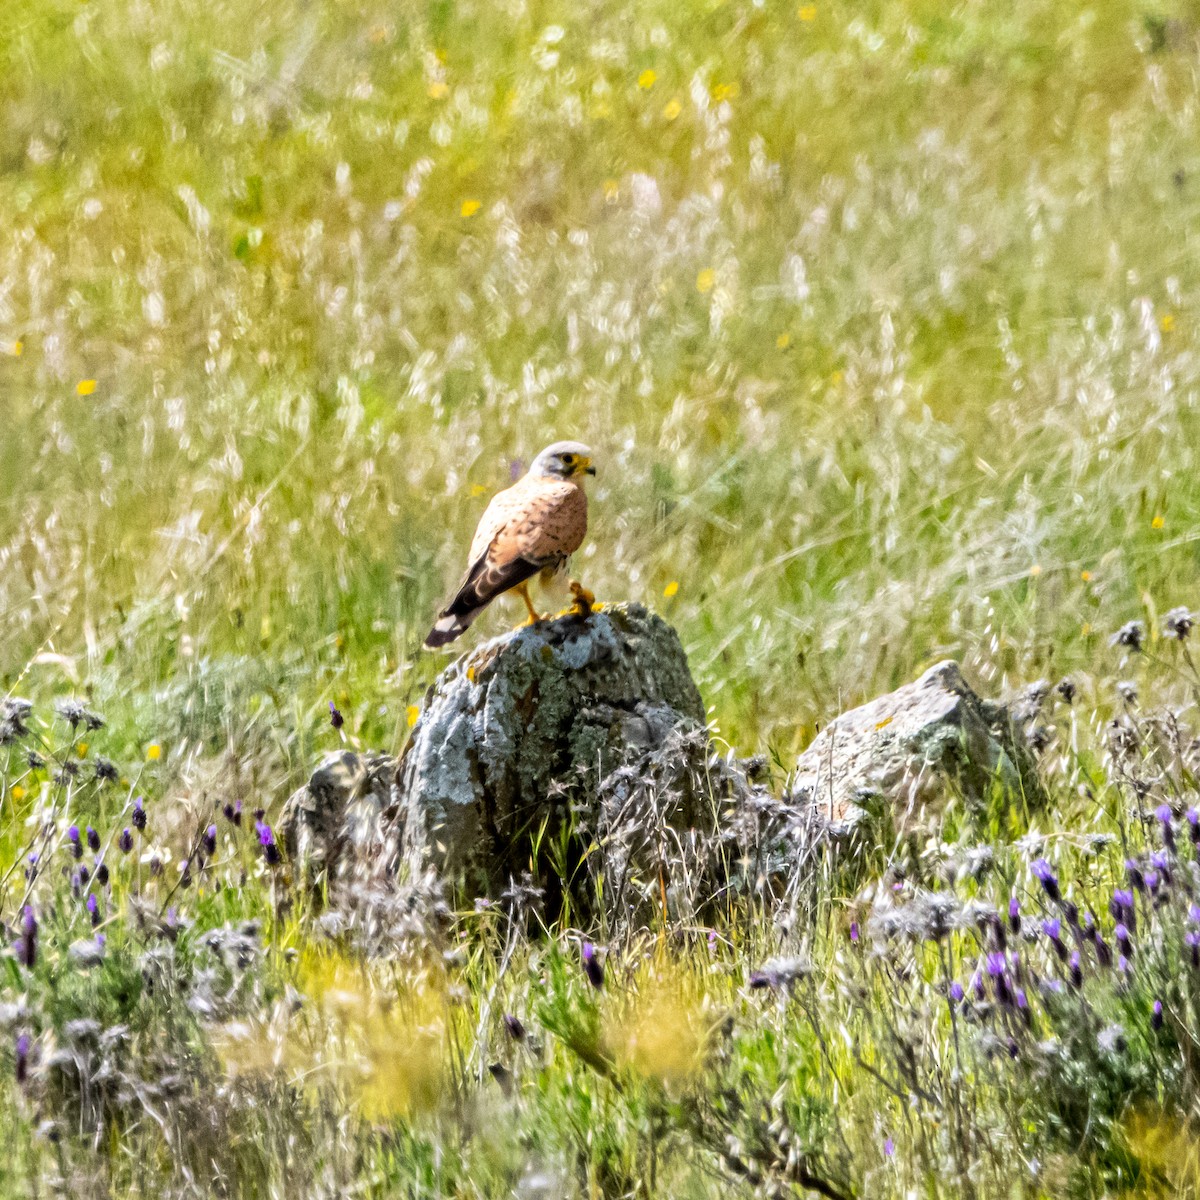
{"x":449,"y":626}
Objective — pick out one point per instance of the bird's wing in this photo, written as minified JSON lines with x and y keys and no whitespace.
{"x":534,"y":523}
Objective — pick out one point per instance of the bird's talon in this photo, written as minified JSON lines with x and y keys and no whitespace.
{"x":585,"y":601}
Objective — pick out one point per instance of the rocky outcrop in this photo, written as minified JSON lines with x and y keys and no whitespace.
{"x":576,"y":749}
{"x":903,"y":754}
{"x":339,"y":827}
{"x":516,"y":737}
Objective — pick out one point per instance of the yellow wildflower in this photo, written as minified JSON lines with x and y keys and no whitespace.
{"x":807,"y":12}
{"x":705,"y":280}
{"x":1167,"y":322}
{"x":412,"y":712}
{"x":672,"y":109}
{"x":726,"y":91}
{"x":470,"y":208}
{"x":646,"y":79}
{"x":14,"y":348}
{"x":783,"y":341}
{"x":437,"y":89}
{"x":1158,"y":521}
{"x":85,"y":387}
{"x":671,"y":589}
{"x":18,"y":792}
{"x":153,"y":752}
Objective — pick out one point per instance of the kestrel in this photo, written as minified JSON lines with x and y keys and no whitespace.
{"x":528,"y":529}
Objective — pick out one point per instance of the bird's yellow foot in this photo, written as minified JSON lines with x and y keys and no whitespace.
{"x":585,"y":602}
{"x":534,"y":617}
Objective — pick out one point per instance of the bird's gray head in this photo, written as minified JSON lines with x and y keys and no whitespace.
{"x":563,"y":460}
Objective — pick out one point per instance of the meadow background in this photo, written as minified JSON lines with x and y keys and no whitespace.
{"x":881,"y":317}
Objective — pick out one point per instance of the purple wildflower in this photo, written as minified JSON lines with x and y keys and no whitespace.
{"x":1103,"y":953}
{"x":1193,"y":820}
{"x":996,"y":969}
{"x":22,"y":1056}
{"x":1156,"y":1016}
{"x":1076,"y":970}
{"x":27,"y":942}
{"x":593,"y":968}
{"x":335,"y":718}
{"x":956,"y":992}
{"x":266,"y":840}
{"x":1022,"y":1002}
{"x":139,"y":815}
{"x":1014,"y":915}
{"x":1053,"y":930}
{"x":889,"y":1147}
{"x":125,"y":841}
{"x":93,"y":907}
{"x":1124,"y":944}
{"x":233,"y":812}
{"x":1137,"y":880}
{"x":516,"y":1030}
{"x":1164,"y":815}
{"x":93,"y":839}
{"x":854,"y":931}
{"x":209,"y":841}
{"x":1191,"y":939}
{"x":1045,"y":873}
{"x":1121,"y":907}
{"x":76,"y":844}
{"x":977,"y":985}
{"x":101,"y":872}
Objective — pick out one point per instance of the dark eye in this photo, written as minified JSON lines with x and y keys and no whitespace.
{"x":568,"y":459}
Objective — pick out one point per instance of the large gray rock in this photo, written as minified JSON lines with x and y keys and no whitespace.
{"x":905,"y":753}
{"x":516,"y":737}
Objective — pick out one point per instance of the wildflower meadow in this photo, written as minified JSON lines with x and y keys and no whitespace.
{"x":883,"y":322}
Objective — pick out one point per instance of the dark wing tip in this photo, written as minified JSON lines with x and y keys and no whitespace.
{"x":445,"y":631}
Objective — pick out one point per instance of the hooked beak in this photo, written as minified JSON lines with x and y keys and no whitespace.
{"x":585,"y":467}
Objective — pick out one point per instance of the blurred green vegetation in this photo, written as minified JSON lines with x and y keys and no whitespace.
{"x":881,"y":316}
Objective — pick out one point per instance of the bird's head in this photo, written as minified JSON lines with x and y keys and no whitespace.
{"x":563,"y":460}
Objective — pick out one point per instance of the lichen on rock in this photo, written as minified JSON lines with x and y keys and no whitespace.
{"x":905,"y":753}
{"x":518,"y":731}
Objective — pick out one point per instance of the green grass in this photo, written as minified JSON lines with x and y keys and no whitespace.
{"x":244,"y":223}
{"x":884,"y":321}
